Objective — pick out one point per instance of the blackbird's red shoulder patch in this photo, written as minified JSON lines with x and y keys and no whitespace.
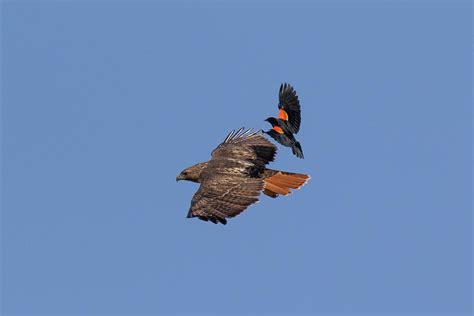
{"x":278,"y":129}
{"x":283,"y":115}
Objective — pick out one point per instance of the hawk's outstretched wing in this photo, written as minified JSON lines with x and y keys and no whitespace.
{"x":289,"y":106}
{"x":231,"y":181}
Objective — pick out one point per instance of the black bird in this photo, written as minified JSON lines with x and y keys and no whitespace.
{"x":288,"y":121}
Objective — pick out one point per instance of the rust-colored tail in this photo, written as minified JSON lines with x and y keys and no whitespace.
{"x":282,"y":182}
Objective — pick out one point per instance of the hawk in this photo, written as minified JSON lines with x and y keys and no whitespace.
{"x":236,"y":175}
{"x":288,"y":121}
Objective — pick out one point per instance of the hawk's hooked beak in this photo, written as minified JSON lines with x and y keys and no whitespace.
{"x":179,"y":177}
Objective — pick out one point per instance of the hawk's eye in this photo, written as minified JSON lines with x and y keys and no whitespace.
{"x":185,"y":173}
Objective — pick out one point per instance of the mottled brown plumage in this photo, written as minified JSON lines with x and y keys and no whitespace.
{"x":235,"y":176}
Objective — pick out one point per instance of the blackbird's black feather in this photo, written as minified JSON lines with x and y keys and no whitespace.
{"x":289,"y":120}
{"x":287,"y":140}
{"x":288,"y":101}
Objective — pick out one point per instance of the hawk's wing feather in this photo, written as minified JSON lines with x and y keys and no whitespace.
{"x":288,"y":101}
{"x":245,"y":146}
{"x":230,"y":182}
{"x":218,"y":201}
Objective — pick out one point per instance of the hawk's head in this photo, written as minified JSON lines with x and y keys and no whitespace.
{"x":192,"y":173}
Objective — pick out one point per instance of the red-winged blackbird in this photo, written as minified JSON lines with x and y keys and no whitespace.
{"x":288,"y":121}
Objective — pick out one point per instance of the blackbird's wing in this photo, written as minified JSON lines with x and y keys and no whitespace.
{"x":289,"y":107}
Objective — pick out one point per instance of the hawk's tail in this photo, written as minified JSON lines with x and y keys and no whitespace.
{"x":282,"y":182}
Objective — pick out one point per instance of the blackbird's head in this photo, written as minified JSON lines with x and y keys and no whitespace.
{"x":272,"y":121}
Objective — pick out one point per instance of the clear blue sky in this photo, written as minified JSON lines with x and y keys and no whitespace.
{"x":104,"y":103}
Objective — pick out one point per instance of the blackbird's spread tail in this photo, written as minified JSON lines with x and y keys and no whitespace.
{"x":297,"y":151}
{"x":282,"y":183}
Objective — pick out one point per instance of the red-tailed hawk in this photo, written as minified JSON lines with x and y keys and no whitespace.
{"x":236,"y":175}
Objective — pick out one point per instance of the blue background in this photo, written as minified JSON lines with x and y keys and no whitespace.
{"x":104,"y":103}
